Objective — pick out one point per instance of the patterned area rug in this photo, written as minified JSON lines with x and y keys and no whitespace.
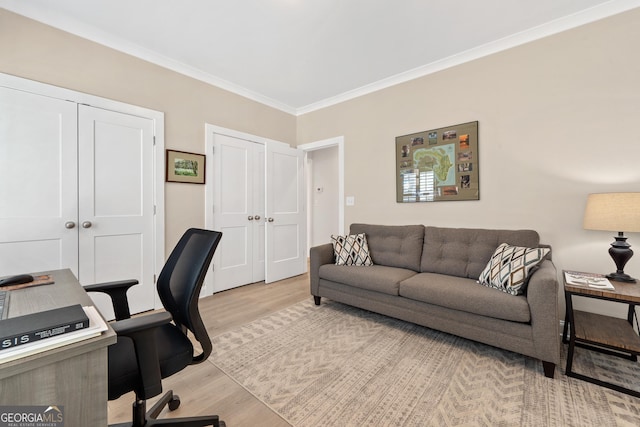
{"x":336,"y":365}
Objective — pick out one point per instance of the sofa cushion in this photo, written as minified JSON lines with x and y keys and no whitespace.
{"x":465,"y":252}
{"x":466,"y":295}
{"x":351,"y":250}
{"x":509,"y":268}
{"x":394,"y":245}
{"x":377,"y":278}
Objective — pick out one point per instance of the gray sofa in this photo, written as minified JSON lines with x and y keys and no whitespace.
{"x":428,"y":275}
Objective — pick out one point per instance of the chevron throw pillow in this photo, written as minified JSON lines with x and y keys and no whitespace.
{"x":351,"y":250}
{"x":510,"y":267}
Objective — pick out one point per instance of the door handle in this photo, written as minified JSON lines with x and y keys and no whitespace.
{"x":86,"y":224}
{"x":69,"y":225}
{"x":270,"y":219}
{"x":250,"y":218}
{"x":257,"y":217}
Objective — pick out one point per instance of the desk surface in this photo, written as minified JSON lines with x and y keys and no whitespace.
{"x":65,"y":291}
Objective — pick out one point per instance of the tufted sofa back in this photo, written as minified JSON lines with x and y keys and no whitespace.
{"x":464,"y":252}
{"x":393,"y":245}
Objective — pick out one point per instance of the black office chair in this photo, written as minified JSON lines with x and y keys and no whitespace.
{"x":152,"y":347}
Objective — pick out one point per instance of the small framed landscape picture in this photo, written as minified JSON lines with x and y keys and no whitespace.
{"x":185,"y":167}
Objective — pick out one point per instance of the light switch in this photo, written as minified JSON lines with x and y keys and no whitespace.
{"x":351,"y":200}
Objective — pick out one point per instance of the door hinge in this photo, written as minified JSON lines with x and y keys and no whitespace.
{"x":154,"y":278}
{"x":213,"y":267}
{"x":154,"y":140}
{"x":154,"y":209}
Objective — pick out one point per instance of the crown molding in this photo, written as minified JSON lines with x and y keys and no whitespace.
{"x":88,"y":32}
{"x":98,"y":36}
{"x":578,"y":19}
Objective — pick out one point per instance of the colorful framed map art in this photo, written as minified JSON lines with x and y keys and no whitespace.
{"x":438,"y":165}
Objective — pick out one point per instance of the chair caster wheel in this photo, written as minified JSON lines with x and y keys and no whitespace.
{"x":174,"y":403}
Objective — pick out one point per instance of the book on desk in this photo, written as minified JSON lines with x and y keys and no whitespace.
{"x":96,"y":326}
{"x":41,"y":325}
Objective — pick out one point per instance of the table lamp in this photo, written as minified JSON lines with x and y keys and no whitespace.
{"x":615,"y":212}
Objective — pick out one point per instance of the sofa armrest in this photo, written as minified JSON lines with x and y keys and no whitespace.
{"x":542,"y":295}
{"x":319,"y":255}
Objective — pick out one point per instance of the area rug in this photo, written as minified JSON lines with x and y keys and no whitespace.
{"x":336,"y":365}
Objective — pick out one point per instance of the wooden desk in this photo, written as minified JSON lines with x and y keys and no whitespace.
{"x":73,"y":376}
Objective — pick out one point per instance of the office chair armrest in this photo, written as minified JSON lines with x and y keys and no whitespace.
{"x":141,"y":330}
{"x":118,"y":293}
{"x":144,"y":323}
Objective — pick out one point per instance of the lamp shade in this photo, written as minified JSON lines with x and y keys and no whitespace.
{"x":613,"y":212}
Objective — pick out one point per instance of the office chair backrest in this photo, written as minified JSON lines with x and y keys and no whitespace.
{"x":180,"y":281}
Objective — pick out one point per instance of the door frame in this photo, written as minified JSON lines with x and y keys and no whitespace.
{"x":337,"y":141}
{"x":26,"y":85}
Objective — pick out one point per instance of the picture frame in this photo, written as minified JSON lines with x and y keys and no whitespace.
{"x":182,"y":166}
{"x":438,"y":165}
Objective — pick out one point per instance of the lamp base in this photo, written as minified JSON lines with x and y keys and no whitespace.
{"x":621,"y":277}
{"x":620,"y":252}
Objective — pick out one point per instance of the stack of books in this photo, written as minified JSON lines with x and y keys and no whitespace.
{"x":37,"y":332}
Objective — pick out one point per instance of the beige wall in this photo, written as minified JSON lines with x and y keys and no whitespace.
{"x":38,"y":52}
{"x":558,"y":118}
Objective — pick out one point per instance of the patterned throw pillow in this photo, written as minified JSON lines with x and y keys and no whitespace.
{"x":351,"y":250}
{"x":510,"y":267}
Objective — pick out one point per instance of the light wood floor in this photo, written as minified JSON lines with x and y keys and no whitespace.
{"x":203,"y":388}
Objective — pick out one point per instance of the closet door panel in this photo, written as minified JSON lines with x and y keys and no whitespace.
{"x":116,"y":203}
{"x":233,"y":211}
{"x":286,"y":216}
{"x":258,"y":228}
{"x":38,"y":183}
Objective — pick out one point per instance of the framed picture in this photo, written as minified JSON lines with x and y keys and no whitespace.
{"x":438,"y":165}
{"x":185,"y":167}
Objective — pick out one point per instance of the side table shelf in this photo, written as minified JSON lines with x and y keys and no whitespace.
{"x":606,"y":331}
{"x":600,"y":333}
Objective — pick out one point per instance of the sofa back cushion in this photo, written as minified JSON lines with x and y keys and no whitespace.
{"x":464,"y":252}
{"x":394,"y":245}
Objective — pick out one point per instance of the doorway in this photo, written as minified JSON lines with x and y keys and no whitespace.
{"x":325,"y":189}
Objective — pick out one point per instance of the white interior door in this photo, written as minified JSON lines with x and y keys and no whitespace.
{"x":38,"y":183}
{"x":256,"y":197}
{"x":259,"y":187}
{"x":238,"y":211}
{"x":116,"y":203}
{"x":286,"y":217}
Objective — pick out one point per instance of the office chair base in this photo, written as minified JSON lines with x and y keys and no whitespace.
{"x":144,"y":418}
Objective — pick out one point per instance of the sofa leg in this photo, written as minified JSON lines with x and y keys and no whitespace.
{"x":316,"y":300}
{"x":549,"y":369}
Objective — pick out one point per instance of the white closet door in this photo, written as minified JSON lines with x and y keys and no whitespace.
{"x":258,"y":208}
{"x":286,"y":218}
{"x":116,"y":208}
{"x":38,"y":183}
{"x":238,"y":211}
{"x":257,"y":200}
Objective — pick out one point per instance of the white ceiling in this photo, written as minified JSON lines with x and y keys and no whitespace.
{"x":300,"y":55}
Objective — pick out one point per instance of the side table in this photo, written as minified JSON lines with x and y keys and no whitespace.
{"x":600,"y":333}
